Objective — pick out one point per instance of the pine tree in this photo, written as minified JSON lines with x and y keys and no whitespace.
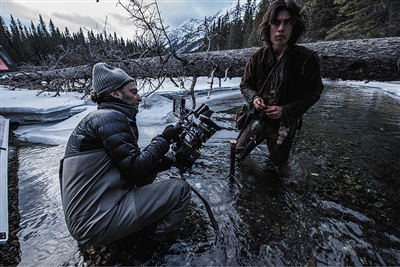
{"x":68,"y":41}
{"x":35,"y":43}
{"x":5,"y":40}
{"x":235,"y":38}
{"x":365,"y":19}
{"x":248,"y":20}
{"x":393,"y":18}
{"x":29,"y":55}
{"x":43,"y":46}
{"x":79,"y":38}
{"x":54,"y":36}
{"x":322,"y":17}
{"x":16,"y":40}
{"x":42,"y":28}
{"x":254,"y":37}
{"x":222,"y":30}
{"x":385,"y":18}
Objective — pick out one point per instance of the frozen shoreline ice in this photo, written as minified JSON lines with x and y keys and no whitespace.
{"x":56,"y":130}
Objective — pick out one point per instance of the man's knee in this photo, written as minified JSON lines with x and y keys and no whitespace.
{"x":179,"y":184}
{"x":242,"y":150}
{"x":180,"y":189}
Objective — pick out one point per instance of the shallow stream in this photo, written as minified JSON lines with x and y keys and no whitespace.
{"x":337,"y":202}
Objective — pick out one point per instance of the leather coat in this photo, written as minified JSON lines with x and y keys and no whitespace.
{"x":301,"y":84}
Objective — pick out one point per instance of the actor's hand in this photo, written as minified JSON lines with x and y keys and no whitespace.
{"x":258,"y":103}
{"x":171,"y":133}
{"x":274,"y":112}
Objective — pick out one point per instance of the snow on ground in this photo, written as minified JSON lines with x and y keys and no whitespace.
{"x":391,"y":88}
{"x":53,"y":131}
{"x":61,"y":114}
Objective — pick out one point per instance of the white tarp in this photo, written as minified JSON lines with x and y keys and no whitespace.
{"x":4,"y":129}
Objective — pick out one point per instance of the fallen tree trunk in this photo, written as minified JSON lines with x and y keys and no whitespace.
{"x":363,"y":59}
{"x":368,"y":59}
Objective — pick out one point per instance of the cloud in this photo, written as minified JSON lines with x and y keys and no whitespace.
{"x":74,"y":19}
{"x":18,"y":11}
{"x":92,"y":15}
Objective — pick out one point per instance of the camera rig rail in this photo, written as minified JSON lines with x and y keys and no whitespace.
{"x":186,"y":151}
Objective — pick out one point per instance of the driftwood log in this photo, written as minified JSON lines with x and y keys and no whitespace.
{"x":363,"y":59}
{"x":367,"y":59}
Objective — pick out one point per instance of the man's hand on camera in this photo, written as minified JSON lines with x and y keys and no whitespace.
{"x":171,"y":133}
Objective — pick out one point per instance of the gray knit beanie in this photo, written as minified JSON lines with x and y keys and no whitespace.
{"x":107,"y":79}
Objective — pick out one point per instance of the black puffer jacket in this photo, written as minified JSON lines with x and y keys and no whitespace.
{"x":102,"y":164}
{"x":113,"y":128}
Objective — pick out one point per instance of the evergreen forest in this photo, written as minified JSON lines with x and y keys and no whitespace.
{"x":46,"y":45}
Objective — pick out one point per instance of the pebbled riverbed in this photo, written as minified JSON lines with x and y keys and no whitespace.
{"x":336,"y":203}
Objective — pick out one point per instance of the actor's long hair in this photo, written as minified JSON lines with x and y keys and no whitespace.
{"x":299,"y":21}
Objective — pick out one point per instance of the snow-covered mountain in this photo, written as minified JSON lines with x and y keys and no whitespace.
{"x":189,"y":35}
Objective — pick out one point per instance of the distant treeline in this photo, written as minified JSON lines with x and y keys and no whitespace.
{"x":327,"y":20}
{"x":45,"y":45}
{"x":42,"y":45}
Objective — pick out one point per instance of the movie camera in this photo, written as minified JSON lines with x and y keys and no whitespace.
{"x":186,"y":151}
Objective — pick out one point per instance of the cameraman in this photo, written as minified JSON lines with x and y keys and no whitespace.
{"x":106,"y":181}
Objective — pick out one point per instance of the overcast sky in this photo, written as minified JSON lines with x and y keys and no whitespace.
{"x":90,"y":14}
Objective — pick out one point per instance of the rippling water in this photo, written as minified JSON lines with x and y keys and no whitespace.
{"x":336,"y":204}
{"x":44,"y":238}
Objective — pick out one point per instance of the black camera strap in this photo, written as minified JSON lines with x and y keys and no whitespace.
{"x":208,"y":208}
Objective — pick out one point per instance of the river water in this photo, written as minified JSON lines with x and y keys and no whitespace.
{"x":336,"y":203}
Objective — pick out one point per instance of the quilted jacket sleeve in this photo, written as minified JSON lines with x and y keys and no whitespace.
{"x":119,"y":137}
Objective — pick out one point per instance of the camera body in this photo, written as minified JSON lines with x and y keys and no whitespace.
{"x":186,"y":151}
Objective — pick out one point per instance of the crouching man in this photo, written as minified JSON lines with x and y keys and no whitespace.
{"x":106,"y":181}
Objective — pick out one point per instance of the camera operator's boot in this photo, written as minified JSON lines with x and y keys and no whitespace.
{"x":146,"y":249}
{"x":162,"y":236}
{"x":161,"y":233}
